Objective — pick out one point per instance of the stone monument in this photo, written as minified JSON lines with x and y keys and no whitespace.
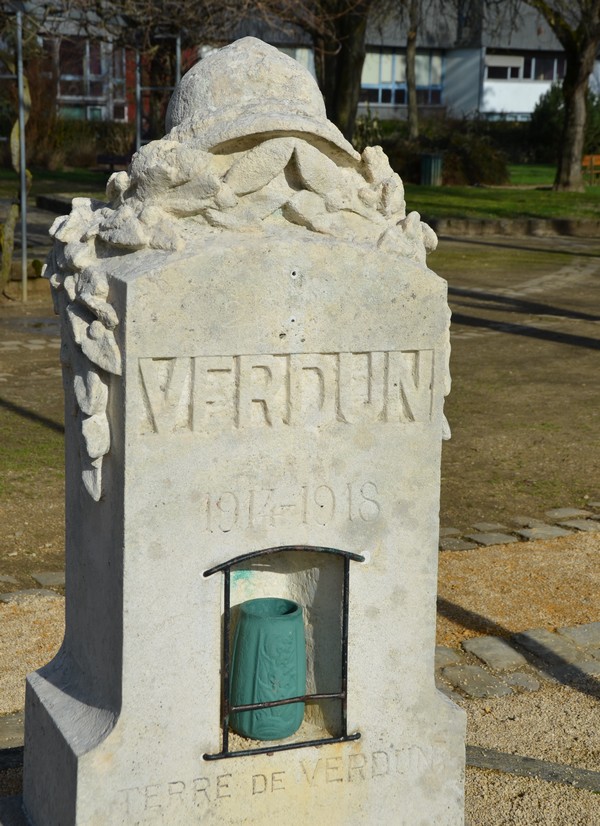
{"x":255,"y":361}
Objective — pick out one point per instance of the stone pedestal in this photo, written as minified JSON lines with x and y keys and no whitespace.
{"x":273,"y":388}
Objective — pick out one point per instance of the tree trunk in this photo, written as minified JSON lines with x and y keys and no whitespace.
{"x":577,"y":27}
{"x":339,"y":67}
{"x":411,"y":72}
{"x":7,"y":244}
{"x":162,"y":81}
{"x":580,"y":63}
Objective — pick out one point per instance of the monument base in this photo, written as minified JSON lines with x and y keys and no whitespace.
{"x":416,"y":779}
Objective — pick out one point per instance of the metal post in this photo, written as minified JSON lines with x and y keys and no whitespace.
{"x":138,"y":100}
{"x":177,"y":59}
{"x":22,"y":158}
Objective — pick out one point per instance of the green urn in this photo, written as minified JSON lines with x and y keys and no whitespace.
{"x":268,"y":663}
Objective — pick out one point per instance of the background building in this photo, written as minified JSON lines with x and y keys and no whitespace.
{"x":465,"y":67}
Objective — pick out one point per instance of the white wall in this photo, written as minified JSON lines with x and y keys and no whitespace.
{"x":512,"y":96}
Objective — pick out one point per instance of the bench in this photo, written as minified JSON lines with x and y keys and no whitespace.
{"x":590,"y":166}
{"x":112,"y":160}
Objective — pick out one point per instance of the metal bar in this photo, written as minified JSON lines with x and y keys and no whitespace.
{"x":178,"y":58}
{"x":287,"y":747}
{"x":281,"y":549}
{"x":226,"y":661}
{"x":138,"y":100}
{"x":22,"y":158}
{"x":157,"y":88}
{"x":345,"y":611}
{"x":306,"y":698}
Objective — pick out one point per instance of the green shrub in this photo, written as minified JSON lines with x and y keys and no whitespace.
{"x":79,"y":142}
{"x":367,"y":131}
{"x":469,"y":156}
{"x":546,"y":126}
{"x":472,"y":159}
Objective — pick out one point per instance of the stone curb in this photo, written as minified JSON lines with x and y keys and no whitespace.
{"x":537,"y":227}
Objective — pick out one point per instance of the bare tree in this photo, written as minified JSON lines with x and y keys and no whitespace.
{"x":337,"y":30}
{"x":576,"y":24}
{"x":414,"y":18}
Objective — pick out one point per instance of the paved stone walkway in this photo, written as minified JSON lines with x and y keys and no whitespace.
{"x":494,"y":667}
{"x":558,"y":522}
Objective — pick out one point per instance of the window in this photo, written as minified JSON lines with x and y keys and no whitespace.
{"x":71,"y":55}
{"x":304,"y":56}
{"x":91,"y":79}
{"x":532,"y":66}
{"x":383,"y":78}
{"x":544,"y":68}
{"x":497,"y":72}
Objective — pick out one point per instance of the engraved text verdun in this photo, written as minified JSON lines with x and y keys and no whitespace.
{"x":208,"y":393}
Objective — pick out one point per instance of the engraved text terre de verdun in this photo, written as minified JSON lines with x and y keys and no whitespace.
{"x":165,"y":799}
{"x":204,"y":393}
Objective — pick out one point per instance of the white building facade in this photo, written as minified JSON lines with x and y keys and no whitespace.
{"x":469,"y":66}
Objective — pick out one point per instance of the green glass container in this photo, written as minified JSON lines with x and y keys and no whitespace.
{"x":268,"y":663}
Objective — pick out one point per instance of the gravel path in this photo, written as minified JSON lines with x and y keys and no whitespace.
{"x":514,"y":587}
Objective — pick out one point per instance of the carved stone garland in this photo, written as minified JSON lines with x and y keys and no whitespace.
{"x":172,"y":189}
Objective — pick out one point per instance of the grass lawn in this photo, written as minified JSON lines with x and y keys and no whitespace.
{"x":506,"y":202}
{"x":531,"y":174}
{"x":74,"y":181}
{"x":431,"y":202}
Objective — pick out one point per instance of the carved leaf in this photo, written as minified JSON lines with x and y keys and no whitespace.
{"x":100,"y":347}
{"x":122,"y":228}
{"x":318,"y":172}
{"x":257,"y":167}
{"x":91,"y":392}
{"x":91,"y":476}
{"x":79,"y":319}
{"x":308,"y":210}
{"x":96,"y":434}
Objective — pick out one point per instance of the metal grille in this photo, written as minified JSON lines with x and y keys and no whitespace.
{"x":341,"y":695}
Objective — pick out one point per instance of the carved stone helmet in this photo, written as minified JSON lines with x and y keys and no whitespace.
{"x":250,"y":88}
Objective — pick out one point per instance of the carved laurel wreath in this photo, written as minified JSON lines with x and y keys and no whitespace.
{"x":171,"y":190}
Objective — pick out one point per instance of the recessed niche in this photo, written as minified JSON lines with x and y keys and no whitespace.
{"x":317,"y":579}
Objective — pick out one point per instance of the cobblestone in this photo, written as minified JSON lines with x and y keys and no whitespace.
{"x":489,"y":527}
{"x":11,"y":731}
{"x":552,"y":648}
{"x":17,"y":596}
{"x":526,"y":521}
{"x":585,"y":636}
{"x":451,"y":543}
{"x":522,"y":680}
{"x":495,"y":652}
{"x":582,"y":524}
{"x":445,"y":656}
{"x":490,"y":666}
{"x":567,"y":513}
{"x":559,"y":522}
{"x":48,"y":579}
{"x":542,"y":532}
{"x":492,"y":538}
{"x":475,"y":681}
